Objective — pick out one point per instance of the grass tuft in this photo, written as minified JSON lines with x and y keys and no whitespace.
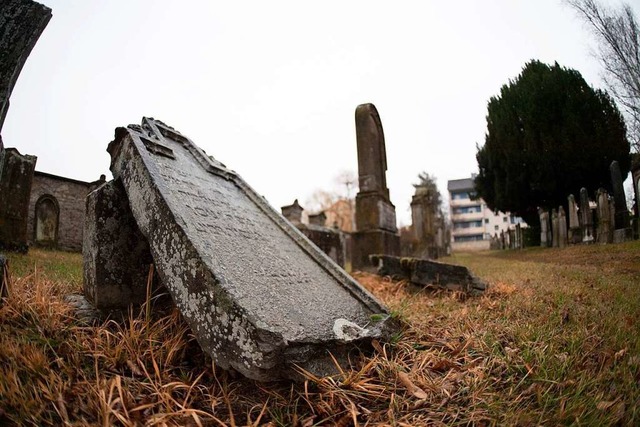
{"x":553,"y":341}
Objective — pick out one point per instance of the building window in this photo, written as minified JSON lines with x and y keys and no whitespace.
{"x":471,"y":238}
{"x":504,"y":219}
{"x":466,"y":210}
{"x":466,"y":224}
{"x":459,"y":195}
{"x":496,"y":228}
{"x":486,"y":220}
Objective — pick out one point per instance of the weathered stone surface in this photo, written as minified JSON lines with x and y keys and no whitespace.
{"x":562,"y":227}
{"x":544,"y":228}
{"x":328,"y":240}
{"x":621,"y":212}
{"x":586,"y":218}
{"x":425,"y":272}
{"x":605,"y":231}
{"x":116,"y":255}
{"x":555,"y":230}
{"x":21,"y":23}
{"x":376,"y":229}
{"x":259,"y":297}
{"x":575,"y":232}
{"x":16,"y":177}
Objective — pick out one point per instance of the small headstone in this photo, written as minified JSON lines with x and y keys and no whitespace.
{"x":621,"y":225}
{"x":604,"y":233}
{"x":318,"y":219}
{"x":562,"y":227}
{"x":555,"y":231}
{"x":376,"y":230}
{"x":586,"y":218}
{"x":293,"y":212}
{"x":621,"y":213}
{"x":544,"y":227}
{"x":425,"y":272}
{"x":519,"y":237}
{"x":330,"y":240}
{"x":575,"y":232}
{"x":258,"y":296}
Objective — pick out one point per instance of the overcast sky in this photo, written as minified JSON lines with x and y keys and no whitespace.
{"x":270,"y":87}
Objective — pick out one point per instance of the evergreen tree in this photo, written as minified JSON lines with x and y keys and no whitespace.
{"x":548,"y":134}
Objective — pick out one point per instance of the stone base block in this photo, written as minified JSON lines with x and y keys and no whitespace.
{"x":367,"y":243}
{"x":622,"y":235}
{"x":374,"y":212}
{"x":116,"y":255}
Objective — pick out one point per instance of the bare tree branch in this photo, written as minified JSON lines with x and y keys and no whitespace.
{"x":618,"y":36}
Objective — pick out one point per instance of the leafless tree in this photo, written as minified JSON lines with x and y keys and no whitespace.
{"x":618,"y":38}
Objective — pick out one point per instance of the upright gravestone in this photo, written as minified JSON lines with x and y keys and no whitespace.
{"x":621,"y":225}
{"x":16,"y":177}
{"x":562,"y":227}
{"x":575,"y":233}
{"x":258,"y":295}
{"x":21,"y":23}
{"x":376,"y":230}
{"x":586,"y":218}
{"x":555,"y":236}
{"x":604,"y":216}
{"x":544,"y":228}
{"x":635,"y":178}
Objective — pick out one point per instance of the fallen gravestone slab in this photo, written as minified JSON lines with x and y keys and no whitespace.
{"x":425,"y":272}
{"x":258,"y":295}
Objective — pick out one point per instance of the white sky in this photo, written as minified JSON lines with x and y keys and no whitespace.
{"x":270,"y":87}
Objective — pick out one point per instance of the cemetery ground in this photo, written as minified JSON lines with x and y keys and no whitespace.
{"x":553,"y":341}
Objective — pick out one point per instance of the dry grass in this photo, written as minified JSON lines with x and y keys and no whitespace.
{"x":554,"y":341}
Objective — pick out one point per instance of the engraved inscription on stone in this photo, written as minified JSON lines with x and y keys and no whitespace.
{"x":257,"y":294}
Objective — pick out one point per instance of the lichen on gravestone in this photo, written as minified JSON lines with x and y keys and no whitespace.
{"x":258,"y":295}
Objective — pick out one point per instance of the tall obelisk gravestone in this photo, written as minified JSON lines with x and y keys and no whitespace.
{"x":376,"y":230}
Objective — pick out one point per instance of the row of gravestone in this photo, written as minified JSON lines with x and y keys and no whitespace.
{"x":611,"y":225}
{"x":511,"y":239}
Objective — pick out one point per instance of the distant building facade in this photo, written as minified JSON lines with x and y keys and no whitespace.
{"x":473,"y":224}
{"x":56,"y":210}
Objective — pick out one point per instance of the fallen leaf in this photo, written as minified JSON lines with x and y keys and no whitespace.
{"x":411,"y":387}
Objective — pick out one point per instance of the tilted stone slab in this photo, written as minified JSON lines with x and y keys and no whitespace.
{"x":425,"y":272}
{"x":259,"y":297}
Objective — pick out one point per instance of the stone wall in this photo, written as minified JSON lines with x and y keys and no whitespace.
{"x":60,"y":203}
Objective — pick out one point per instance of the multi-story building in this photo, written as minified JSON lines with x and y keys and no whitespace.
{"x":472,"y":222}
